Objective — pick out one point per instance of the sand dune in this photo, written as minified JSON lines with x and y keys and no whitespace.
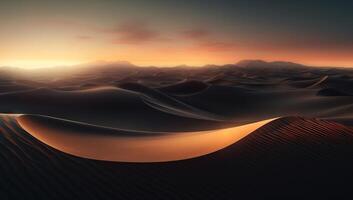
{"x":242,"y":95}
{"x":111,"y":107}
{"x":318,"y":82}
{"x":169,"y":104}
{"x":128,"y":146}
{"x":308,"y":82}
{"x":185,"y":87}
{"x":332,"y":92}
{"x":297,"y":156}
{"x":61,"y":134}
{"x":6,"y":88}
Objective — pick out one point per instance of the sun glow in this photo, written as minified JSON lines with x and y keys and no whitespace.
{"x":38,"y":63}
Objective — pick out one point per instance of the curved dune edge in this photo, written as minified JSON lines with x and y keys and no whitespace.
{"x":318,"y":82}
{"x":100,"y":143}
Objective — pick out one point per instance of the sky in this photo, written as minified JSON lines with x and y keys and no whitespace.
{"x":36,"y":33}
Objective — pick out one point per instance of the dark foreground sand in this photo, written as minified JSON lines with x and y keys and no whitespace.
{"x":291,"y":156}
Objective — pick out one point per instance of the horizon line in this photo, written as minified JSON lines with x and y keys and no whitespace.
{"x":107,"y":62}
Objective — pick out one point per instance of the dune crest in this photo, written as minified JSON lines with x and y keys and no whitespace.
{"x":101,"y":143}
{"x":318,"y":82}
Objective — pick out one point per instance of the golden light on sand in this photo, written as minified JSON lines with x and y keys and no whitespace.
{"x":129,"y":146}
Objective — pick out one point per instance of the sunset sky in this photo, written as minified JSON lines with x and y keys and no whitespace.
{"x":37,"y":33}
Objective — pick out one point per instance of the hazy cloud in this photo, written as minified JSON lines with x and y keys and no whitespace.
{"x":215,"y":46}
{"x":195,"y":34}
{"x":204,"y":40}
{"x":134,"y":33}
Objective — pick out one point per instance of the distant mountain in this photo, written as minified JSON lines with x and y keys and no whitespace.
{"x":264,"y":64}
{"x":106,"y":64}
{"x":120,"y":70}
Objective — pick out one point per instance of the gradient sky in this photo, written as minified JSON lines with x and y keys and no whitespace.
{"x":37,"y":33}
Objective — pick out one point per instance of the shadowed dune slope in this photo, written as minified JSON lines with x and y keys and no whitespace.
{"x":168,"y":104}
{"x":111,"y":107}
{"x":182,"y":98}
{"x":332,"y":92}
{"x":185,"y":88}
{"x":289,"y":156}
{"x":301,"y":82}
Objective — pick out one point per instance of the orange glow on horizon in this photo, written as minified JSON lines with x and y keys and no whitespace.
{"x":166,"y":57}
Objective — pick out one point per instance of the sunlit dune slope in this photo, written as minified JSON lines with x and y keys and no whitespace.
{"x":100,"y":143}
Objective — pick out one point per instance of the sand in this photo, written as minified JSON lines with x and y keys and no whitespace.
{"x":125,"y":132}
{"x":288,"y":157}
{"x":100,"y":143}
